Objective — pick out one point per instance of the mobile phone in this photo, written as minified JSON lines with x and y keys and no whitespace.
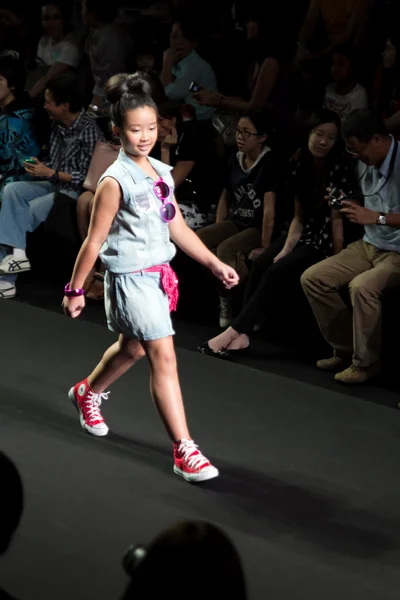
{"x":336,"y":198}
{"x":194,"y":87}
{"x":31,"y":161}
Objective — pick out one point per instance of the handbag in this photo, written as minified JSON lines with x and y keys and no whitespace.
{"x":103,"y":157}
{"x":61,"y":221}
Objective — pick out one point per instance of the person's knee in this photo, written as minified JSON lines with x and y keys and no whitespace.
{"x":132,"y":349}
{"x":163,"y":358}
{"x":359,"y":288}
{"x":310,"y":276}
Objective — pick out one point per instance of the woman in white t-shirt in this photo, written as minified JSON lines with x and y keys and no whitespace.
{"x":57,"y":50}
{"x":344,"y":93}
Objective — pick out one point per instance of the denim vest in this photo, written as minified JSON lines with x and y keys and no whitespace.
{"x":138,"y":237}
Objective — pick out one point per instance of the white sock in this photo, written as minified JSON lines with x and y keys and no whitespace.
{"x":19,"y":254}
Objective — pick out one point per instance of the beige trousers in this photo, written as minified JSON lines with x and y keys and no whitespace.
{"x":367,"y":271}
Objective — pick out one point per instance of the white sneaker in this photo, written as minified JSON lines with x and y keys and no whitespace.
{"x":11,"y":266}
{"x":7,"y":290}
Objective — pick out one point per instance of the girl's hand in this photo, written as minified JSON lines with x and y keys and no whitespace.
{"x":73,"y":306}
{"x":256,"y":253}
{"x":226,"y":274}
{"x":281,"y":254}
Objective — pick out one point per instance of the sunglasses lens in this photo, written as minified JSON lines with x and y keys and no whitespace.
{"x":168,"y":211}
{"x":161,"y":190}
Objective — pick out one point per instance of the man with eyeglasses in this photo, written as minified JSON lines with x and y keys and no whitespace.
{"x":369,"y":266}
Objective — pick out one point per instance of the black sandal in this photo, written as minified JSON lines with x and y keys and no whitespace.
{"x":205,"y":349}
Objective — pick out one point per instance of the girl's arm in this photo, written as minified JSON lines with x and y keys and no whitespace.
{"x":223,"y":207}
{"x":268,"y":219}
{"x":106,"y":204}
{"x":191,"y":244}
{"x":295,"y":231}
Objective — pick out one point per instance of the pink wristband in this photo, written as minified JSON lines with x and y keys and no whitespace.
{"x":72,"y":293}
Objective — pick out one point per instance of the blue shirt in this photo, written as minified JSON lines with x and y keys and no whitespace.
{"x":382,"y":195}
{"x":192,"y":68}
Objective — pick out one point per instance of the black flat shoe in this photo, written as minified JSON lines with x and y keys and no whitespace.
{"x":236,"y":352}
{"x":205,"y":349}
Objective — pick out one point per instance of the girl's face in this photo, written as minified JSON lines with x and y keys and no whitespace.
{"x":165,"y":127}
{"x":247,"y":137}
{"x":389,"y":55}
{"x":145,"y":62}
{"x":252,"y":29}
{"x":341,"y":69}
{"x":322,"y":139}
{"x":5,"y":90}
{"x":139,"y":133}
{"x":52,"y":20}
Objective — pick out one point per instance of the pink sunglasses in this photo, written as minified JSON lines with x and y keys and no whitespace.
{"x":163,"y":192}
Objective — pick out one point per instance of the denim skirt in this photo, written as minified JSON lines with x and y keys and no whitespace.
{"x":136,"y":306}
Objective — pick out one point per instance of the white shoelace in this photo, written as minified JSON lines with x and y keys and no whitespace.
{"x":187,"y":448}
{"x":92,"y":404}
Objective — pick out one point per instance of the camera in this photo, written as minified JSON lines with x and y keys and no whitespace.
{"x":336,"y":198}
{"x":195,"y":87}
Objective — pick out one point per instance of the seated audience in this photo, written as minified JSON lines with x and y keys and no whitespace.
{"x":182,"y":66}
{"x":246,"y":210}
{"x":316,"y":231}
{"x":57,"y":50}
{"x":27,"y":204}
{"x":196,"y":170}
{"x":386,"y":100}
{"x":343,"y":21}
{"x":17,"y":123}
{"x":370,"y":265}
{"x":344,"y":93}
{"x":107,"y":47}
{"x":153,"y":568}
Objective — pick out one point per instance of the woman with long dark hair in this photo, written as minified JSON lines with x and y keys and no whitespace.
{"x":316,"y":231}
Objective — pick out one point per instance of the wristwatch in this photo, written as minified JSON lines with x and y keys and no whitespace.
{"x":381,"y":220}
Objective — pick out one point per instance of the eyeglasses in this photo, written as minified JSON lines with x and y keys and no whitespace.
{"x":163,"y":192}
{"x":244,"y":134}
{"x":357,"y":154}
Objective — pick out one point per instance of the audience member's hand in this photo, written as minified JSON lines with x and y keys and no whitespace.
{"x":358,"y":214}
{"x":281,"y":254}
{"x":38,"y":169}
{"x":73,"y":306}
{"x":255,"y":253}
{"x":171,"y":139}
{"x":226,"y":274}
{"x":207,"y":98}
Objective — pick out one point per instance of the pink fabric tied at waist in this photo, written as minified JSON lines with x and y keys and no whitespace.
{"x":169,"y":282}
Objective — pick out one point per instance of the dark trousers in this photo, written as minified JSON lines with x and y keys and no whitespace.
{"x":269,"y":280}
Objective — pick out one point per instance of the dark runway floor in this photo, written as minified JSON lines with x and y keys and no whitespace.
{"x":309,"y":487}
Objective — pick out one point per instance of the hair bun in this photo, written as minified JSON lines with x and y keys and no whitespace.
{"x":126,"y":84}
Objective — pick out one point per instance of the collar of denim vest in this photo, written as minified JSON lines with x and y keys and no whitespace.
{"x":137,"y":173}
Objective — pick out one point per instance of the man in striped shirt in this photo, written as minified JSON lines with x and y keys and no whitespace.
{"x":27,"y":204}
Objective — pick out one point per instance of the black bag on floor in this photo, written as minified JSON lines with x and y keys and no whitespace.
{"x":62,"y":221}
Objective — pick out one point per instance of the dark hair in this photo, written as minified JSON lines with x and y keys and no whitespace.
{"x":65,"y":88}
{"x":11,"y":501}
{"x":349,"y":52}
{"x":191,"y":27}
{"x":260,"y":119}
{"x":363,"y":124}
{"x":105,"y":12}
{"x":322,"y":117}
{"x":197,"y":543}
{"x":128,"y":92}
{"x":169,"y":109}
{"x":11,"y":69}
